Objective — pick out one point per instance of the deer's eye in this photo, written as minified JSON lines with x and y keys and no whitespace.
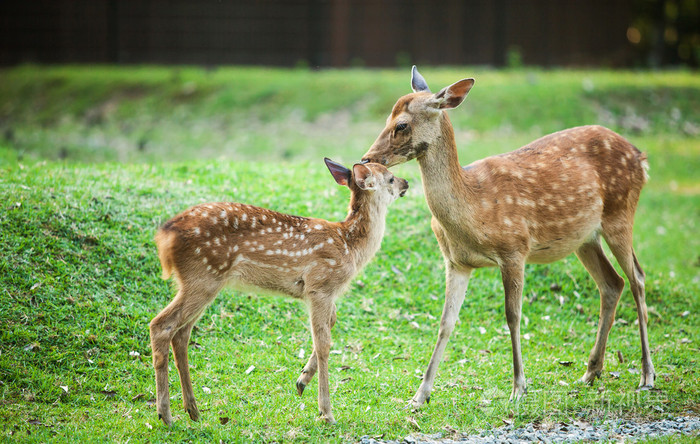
{"x":391,"y":180}
{"x":401,"y":126}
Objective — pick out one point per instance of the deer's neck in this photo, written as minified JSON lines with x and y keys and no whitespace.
{"x":364,"y":227}
{"x":444,"y":184}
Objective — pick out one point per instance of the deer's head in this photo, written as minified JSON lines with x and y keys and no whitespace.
{"x":415,"y":121}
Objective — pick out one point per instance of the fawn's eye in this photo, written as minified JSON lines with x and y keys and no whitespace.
{"x":391,"y":180}
{"x":401,"y":126}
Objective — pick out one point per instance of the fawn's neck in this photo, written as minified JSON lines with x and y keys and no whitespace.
{"x":364,"y":226}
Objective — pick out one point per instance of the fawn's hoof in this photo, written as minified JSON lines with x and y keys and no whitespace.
{"x":418,"y":400}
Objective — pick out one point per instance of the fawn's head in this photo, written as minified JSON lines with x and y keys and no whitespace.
{"x":415,"y":121}
{"x":369,"y":177}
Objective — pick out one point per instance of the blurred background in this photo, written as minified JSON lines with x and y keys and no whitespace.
{"x":342,"y":33}
{"x":154,"y":80}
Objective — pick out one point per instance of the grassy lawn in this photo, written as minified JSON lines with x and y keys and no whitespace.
{"x":92,"y":160}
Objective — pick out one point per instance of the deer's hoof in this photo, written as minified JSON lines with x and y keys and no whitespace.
{"x":194,"y":413}
{"x":300,"y":387}
{"x":327,"y":418}
{"x":166,"y":418}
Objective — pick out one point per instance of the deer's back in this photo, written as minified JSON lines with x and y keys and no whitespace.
{"x":547,"y":197}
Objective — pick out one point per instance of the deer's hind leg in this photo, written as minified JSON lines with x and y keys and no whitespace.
{"x":610,"y":286}
{"x":311,"y":366}
{"x":620,"y":244}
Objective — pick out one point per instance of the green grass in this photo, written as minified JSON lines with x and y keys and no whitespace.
{"x":79,"y":277}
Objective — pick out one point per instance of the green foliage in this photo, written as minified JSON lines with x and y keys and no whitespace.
{"x":79,"y":276}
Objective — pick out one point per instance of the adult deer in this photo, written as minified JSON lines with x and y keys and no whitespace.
{"x":212,"y":245}
{"x":537,"y":204}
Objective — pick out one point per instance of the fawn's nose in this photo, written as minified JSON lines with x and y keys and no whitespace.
{"x":404,"y":187}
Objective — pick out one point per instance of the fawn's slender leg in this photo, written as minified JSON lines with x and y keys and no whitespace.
{"x":321,"y":308}
{"x":311,"y":366}
{"x":512,"y":275}
{"x":610,"y":285}
{"x":621,"y":246}
{"x":180,"y":343}
{"x":457,"y":281}
{"x":184,"y":309}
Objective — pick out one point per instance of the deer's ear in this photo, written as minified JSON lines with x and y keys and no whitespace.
{"x":451,"y":96}
{"x":364,"y":177}
{"x":339,"y":172}
{"x":418,"y":83}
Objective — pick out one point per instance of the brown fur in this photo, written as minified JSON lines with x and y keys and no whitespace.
{"x":537,"y":204}
{"x":213,"y":245}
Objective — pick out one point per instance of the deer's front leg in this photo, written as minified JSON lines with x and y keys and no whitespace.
{"x":311,"y":366}
{"x":321,"y":314}
{"x":455,"y":289}
{"x":513,"y":276}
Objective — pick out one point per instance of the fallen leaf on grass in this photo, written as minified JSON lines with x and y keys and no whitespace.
{"x":31,"y":347}
{"x":482,"y":330}
{"x":563,"y":383}
{"x":566,"y":363}
{"x":619,"y":357}
{"x":413,"y":423}
{"x":686,"y":313}
{"x":108,"y":393}
{"x":615,"y":375}
{"x":149,"y":427}
{"x":137,"y":397}
{"x":64,"y":387}
{"x":206,"y":390}
{"x":686,"y":341}
{"x":507,"y":421}
{"x":250,"y":370}
{"x":224,"y":420}
{"x":34,"y":422}
{"x":633,"y":370}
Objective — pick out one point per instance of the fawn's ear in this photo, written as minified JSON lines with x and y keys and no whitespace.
{"x":451,"y":96}
{"x":339,"y":172}
{"x":364,"y":177}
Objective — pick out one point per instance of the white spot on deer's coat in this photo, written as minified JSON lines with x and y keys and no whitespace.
{"x":244,"y":217}
{"x":507,"y":222}
{"x":205,"y":214}
{"x":207,"y":243}
{"x":318,"y":227}
{"x":197,"y":250}
{"x":269,"y":252}
{"x":509,"y":200}
{"x":216,"y":241}
{"x":235,"y":248}
{"x":197,"y":231}
{"x":205,"y":260}
{"x":330,"y":240}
